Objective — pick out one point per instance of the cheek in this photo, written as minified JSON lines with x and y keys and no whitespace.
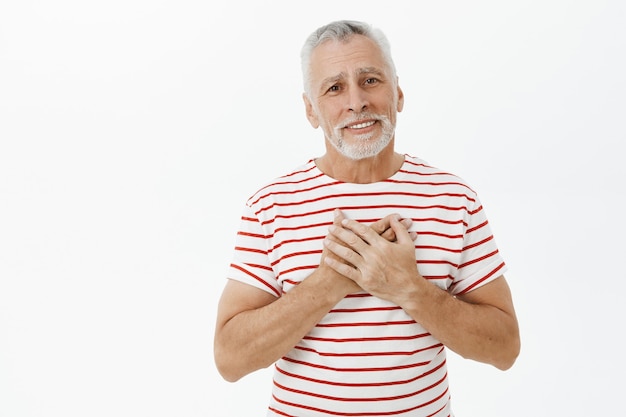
{"x":327,"y":121}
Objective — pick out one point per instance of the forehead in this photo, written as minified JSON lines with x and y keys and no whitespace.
{"x":332,"y":58}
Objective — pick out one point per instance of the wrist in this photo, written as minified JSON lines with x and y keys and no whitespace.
{"x":419,"y":296}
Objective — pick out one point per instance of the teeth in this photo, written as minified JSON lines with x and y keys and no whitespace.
{"x":362,"y":125}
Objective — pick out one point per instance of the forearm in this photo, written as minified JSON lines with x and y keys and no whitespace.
{"x":480,"y":325}
{"x":482,"y":332}
{"x":254,"y":329}
{"x":256,"y":338}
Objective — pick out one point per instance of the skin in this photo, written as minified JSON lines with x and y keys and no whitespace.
{"x":351,"y":79}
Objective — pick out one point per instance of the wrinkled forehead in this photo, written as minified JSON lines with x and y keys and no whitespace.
{"x":355,"y":55}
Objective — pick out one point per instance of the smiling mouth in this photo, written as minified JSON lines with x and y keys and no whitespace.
{"x":362,"y":125}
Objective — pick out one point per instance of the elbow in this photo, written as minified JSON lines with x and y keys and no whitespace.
{"x":229,"y":376}
{"x":509,"y":356}
{"x":231,"y":366}
{"x":225,"y":359}
{"x":504,"y":365}
{"x":228,"y":373}
{"x":226,"y":367}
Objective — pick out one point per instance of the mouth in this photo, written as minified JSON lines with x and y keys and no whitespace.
{"x":361,"y":125}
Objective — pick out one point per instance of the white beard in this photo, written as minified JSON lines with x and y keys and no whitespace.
{"x":365,"y":146}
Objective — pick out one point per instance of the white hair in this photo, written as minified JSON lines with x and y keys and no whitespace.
{"x":342,"y":30}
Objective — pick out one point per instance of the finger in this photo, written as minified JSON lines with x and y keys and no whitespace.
{"x":407,"y":223}
{"x":402,"y":234}
{"x":342,"y":252}
{"x":338,"y":217}
{"x":342,"y":268}
{"x":347,"y":238}
{"x":383,"y":227}
{"x":362,"y":232}
{"x":389,"y":235}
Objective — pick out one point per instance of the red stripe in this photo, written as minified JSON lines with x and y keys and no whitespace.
{"x":478,"y":210}
{"x":379,"y":369}
{"x":366,"y":414}
{"x":360,"y":195}
{"x":357,"y":310}
{"x":473,"y":261}
{"x":284,"y":242}
{"x":475,"y":244}
{"x":259,"y":267}
{"x":480,"y":226}
{"x":249,"y":219}
{"x":241,"y":248}
{"x":438,"y":248}
{"x":366,"y":354}
{"x":295,"y":191}
{"x":255,"y":235}
{"x":365,"y":399}
{"x":431,"y":183}
{"x":438,"y":233}
{"x":387,"y":323}
{"x":362,"y":384}
{"x":486,"y":277}
{"x":257,"y":278}
{"x":291,"y":255}
{"x":298,"y":268}
{"x":435,"y":277}
{"x":367,"y":339}
{"x":279,"y":412}
{"x":436,"y":262}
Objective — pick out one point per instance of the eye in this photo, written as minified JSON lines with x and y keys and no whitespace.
{"x":333,"y":88}
{"x":371,"y":81}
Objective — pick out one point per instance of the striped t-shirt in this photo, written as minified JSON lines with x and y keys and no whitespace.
{"x":366,"y":357}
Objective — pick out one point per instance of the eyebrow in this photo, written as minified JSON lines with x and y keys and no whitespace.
{"x":333,"y":79}
{"x":342,"y":75}
{"x":371,"y":70}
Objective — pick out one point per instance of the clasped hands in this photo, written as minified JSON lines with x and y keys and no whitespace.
{"x":380,"y":258}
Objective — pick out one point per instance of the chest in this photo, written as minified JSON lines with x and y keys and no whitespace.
{"x":296,"y":242}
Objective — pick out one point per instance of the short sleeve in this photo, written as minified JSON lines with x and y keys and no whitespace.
{"x":481,"y":261}
{"x":250,"y":263}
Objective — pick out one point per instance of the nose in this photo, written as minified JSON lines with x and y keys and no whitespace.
{"x":357,"y":100}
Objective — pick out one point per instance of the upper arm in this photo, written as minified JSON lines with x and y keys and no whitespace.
{"x":495,"y":293}
{"x":495,"y":301}
{"x":238,"y":297}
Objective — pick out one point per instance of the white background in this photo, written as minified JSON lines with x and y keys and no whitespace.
{"x":131,"y":133}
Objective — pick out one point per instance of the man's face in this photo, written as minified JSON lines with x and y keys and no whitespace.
{"x":353,"y":97}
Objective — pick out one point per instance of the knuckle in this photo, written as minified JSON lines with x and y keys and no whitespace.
{"x":353,"y":240}
{"x":362,"y":229}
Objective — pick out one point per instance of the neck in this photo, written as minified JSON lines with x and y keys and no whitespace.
{"x":363,"y":171}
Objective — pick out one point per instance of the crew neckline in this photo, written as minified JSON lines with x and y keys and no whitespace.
{"x":396,"y":176}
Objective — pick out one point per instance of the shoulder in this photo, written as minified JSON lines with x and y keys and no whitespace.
{"x":293,"y":180}
{"x":418,"y":169}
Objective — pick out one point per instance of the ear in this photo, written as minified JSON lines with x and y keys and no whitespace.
{"x":311,"y":115}
{"x":400,"y":100}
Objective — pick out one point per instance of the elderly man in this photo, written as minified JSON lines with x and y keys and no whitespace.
{"x":356,"y":271}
